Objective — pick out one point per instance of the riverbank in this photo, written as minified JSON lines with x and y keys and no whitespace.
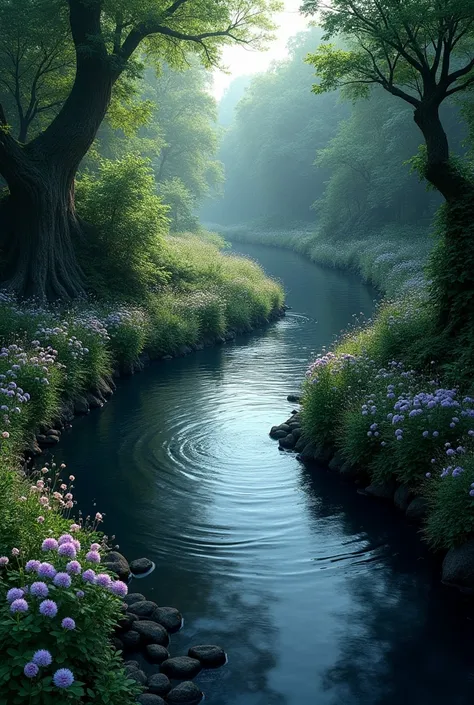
{"x":392,"y":258}
{"x":55,"y":363}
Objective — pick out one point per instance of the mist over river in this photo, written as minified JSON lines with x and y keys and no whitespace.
{"x":320,"y":596}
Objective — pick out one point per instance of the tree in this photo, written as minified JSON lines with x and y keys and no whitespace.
{"x":39,"y":222}
{"x":421,"y":51}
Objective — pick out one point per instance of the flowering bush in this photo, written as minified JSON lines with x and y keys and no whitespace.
{"x":56,"y":612}
{"x":127,"y":330}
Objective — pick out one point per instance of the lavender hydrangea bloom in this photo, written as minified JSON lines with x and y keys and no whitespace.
{"x":49,"y":545}
{"x":88,"y":576}
{"x":48,"y":608}
{"x":62,"y":580}
{"x":46,"y":570}
{"x":65,"y":538}
{"x":3,"y":561}
{"x":118,"y":588}
{"x":68,"y":550}
{"x":80,"y":594}
{"x":32,"y":566}
{"x":74,"y":567}
{"x":103,"y":580}
{"x":93,"y":557}
{"x":68,"y":623}
{"x":63,"y":678}
{"x":19,"y":606}
{"x":42,"y":658}
{"x":31,"y":670}
{"x":39,"y":589}
{"x":14,"y":594}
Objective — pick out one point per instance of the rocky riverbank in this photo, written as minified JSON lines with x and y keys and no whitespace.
{"x":457,"y":563}
{"x":143,"y":636}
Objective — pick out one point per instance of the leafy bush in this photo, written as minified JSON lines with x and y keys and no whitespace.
{"x":55,"y":616}
{"x":124,"y":254}
{"x":127,"y":331}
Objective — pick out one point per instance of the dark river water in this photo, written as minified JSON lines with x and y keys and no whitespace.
{"x":320,"y":596}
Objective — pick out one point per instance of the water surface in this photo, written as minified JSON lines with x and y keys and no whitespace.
{"x":319,"y":596}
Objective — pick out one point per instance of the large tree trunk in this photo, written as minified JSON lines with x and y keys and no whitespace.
{"x":452,"y":265}
{"x":39,"y":227}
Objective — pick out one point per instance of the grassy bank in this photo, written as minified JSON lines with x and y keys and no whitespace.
{"x":391,"y":258}
{"x":52,"y":356}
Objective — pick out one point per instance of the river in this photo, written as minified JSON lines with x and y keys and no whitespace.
{"x":320,"y":596}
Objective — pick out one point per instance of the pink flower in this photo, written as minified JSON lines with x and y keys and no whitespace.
{"x":44,"y":501}
{"x":3,"y":561}
{"x":72,"y":478}
{"x":95,"y":547}
{"x":74,"y":527}
{"x":15,"y":551}
{"x":5,"y":434}
{"x":99,"y":517}
{"x":40,"y":520}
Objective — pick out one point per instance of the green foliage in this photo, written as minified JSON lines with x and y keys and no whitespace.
{"x":124,"y":255}
{"x":83,"y":650}
{"x":181,"y":204}
{"x":450,"y":519}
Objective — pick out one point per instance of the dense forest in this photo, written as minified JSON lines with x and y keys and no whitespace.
{"x":121,"y":179}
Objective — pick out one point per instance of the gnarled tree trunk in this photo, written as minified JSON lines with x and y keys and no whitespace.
{"x":38,"y":224}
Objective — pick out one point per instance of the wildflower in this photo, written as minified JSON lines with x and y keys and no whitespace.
{"x":49,"y":545}
{"x":103,"y":580}
{"x":99,"y":517}
{"x":425,"y":434}
{"x":65,"y":538}
{"x":428,"y":475}
{"x":68,"y":623}
{"x":31,"y":670}
{"x":19,"y":606}
{"x":40,"y":520}
{"x":5,"y":434}
{"x":74,"y":567}
{"x":32,"y":566}
{"x":471,"y":492}
{"x":39,"y":589}
{"x":48,"y":608}
{"x":43,"y":501}
{"x":88,"y":576}
{"x":435,"y":434}
{"x":68,"y":550}
{"x":71,"y":477}
{"x":15,"y":551}
{"x":14,"y":594}
{"x":63,"y":678}
{"x":118,"y":588}
{"x":76,"y":544}
{"x":62,"y":580}
{"x":93,"y":557}
{"x":80,"y":594}
{"x":450,"y":451}
{"x":95,"y":547}
{"x":42,"y":658}
{"x":3,"y":561}
{"x":46,"y":570}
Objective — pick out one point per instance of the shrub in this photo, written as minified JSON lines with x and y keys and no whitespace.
{"x":55,"y":617}
{"x":450,"y":496}
{"x":127,"y":331}
{"x":124,"y":255}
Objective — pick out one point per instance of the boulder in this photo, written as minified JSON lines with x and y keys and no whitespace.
{"x":417,"y":509}
{"x":296,"y":432}
{"x":402,"y":497}
{"x":288,"y":443}
{"x":278,"y":434}
{"x":117,"y":564}
{"x":186,"y":693}
{"x":294,"y":398}
{"x":300,"y":445}
{"x":181,"y":667}
{"x":81,"y":406}
{"x":159,"y":684}
{"x":143,"y":608}
{"x":308,"y":452}
{"x":152,"y":633}
{"x":141,"y":565}
{"x":131,"y":640}
{"x":47,"y":441}
{"x":133,"y":597}
{"x":156,"y":653}
{"x":169,"y":618}
{"x":136,"y":675}
{"x":132,"y":665}
{"x":94,"y":401}
{"x":208,"y":655}
{"x":53,"y":432}
{"x":104,"y":388}
{"x":458,"y":566}
{"x":125,"y":623}
{"x":150,"y":699}
{"x":381,"y":490}
{"x":284,"y":427}
{"x":167,"y":357}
